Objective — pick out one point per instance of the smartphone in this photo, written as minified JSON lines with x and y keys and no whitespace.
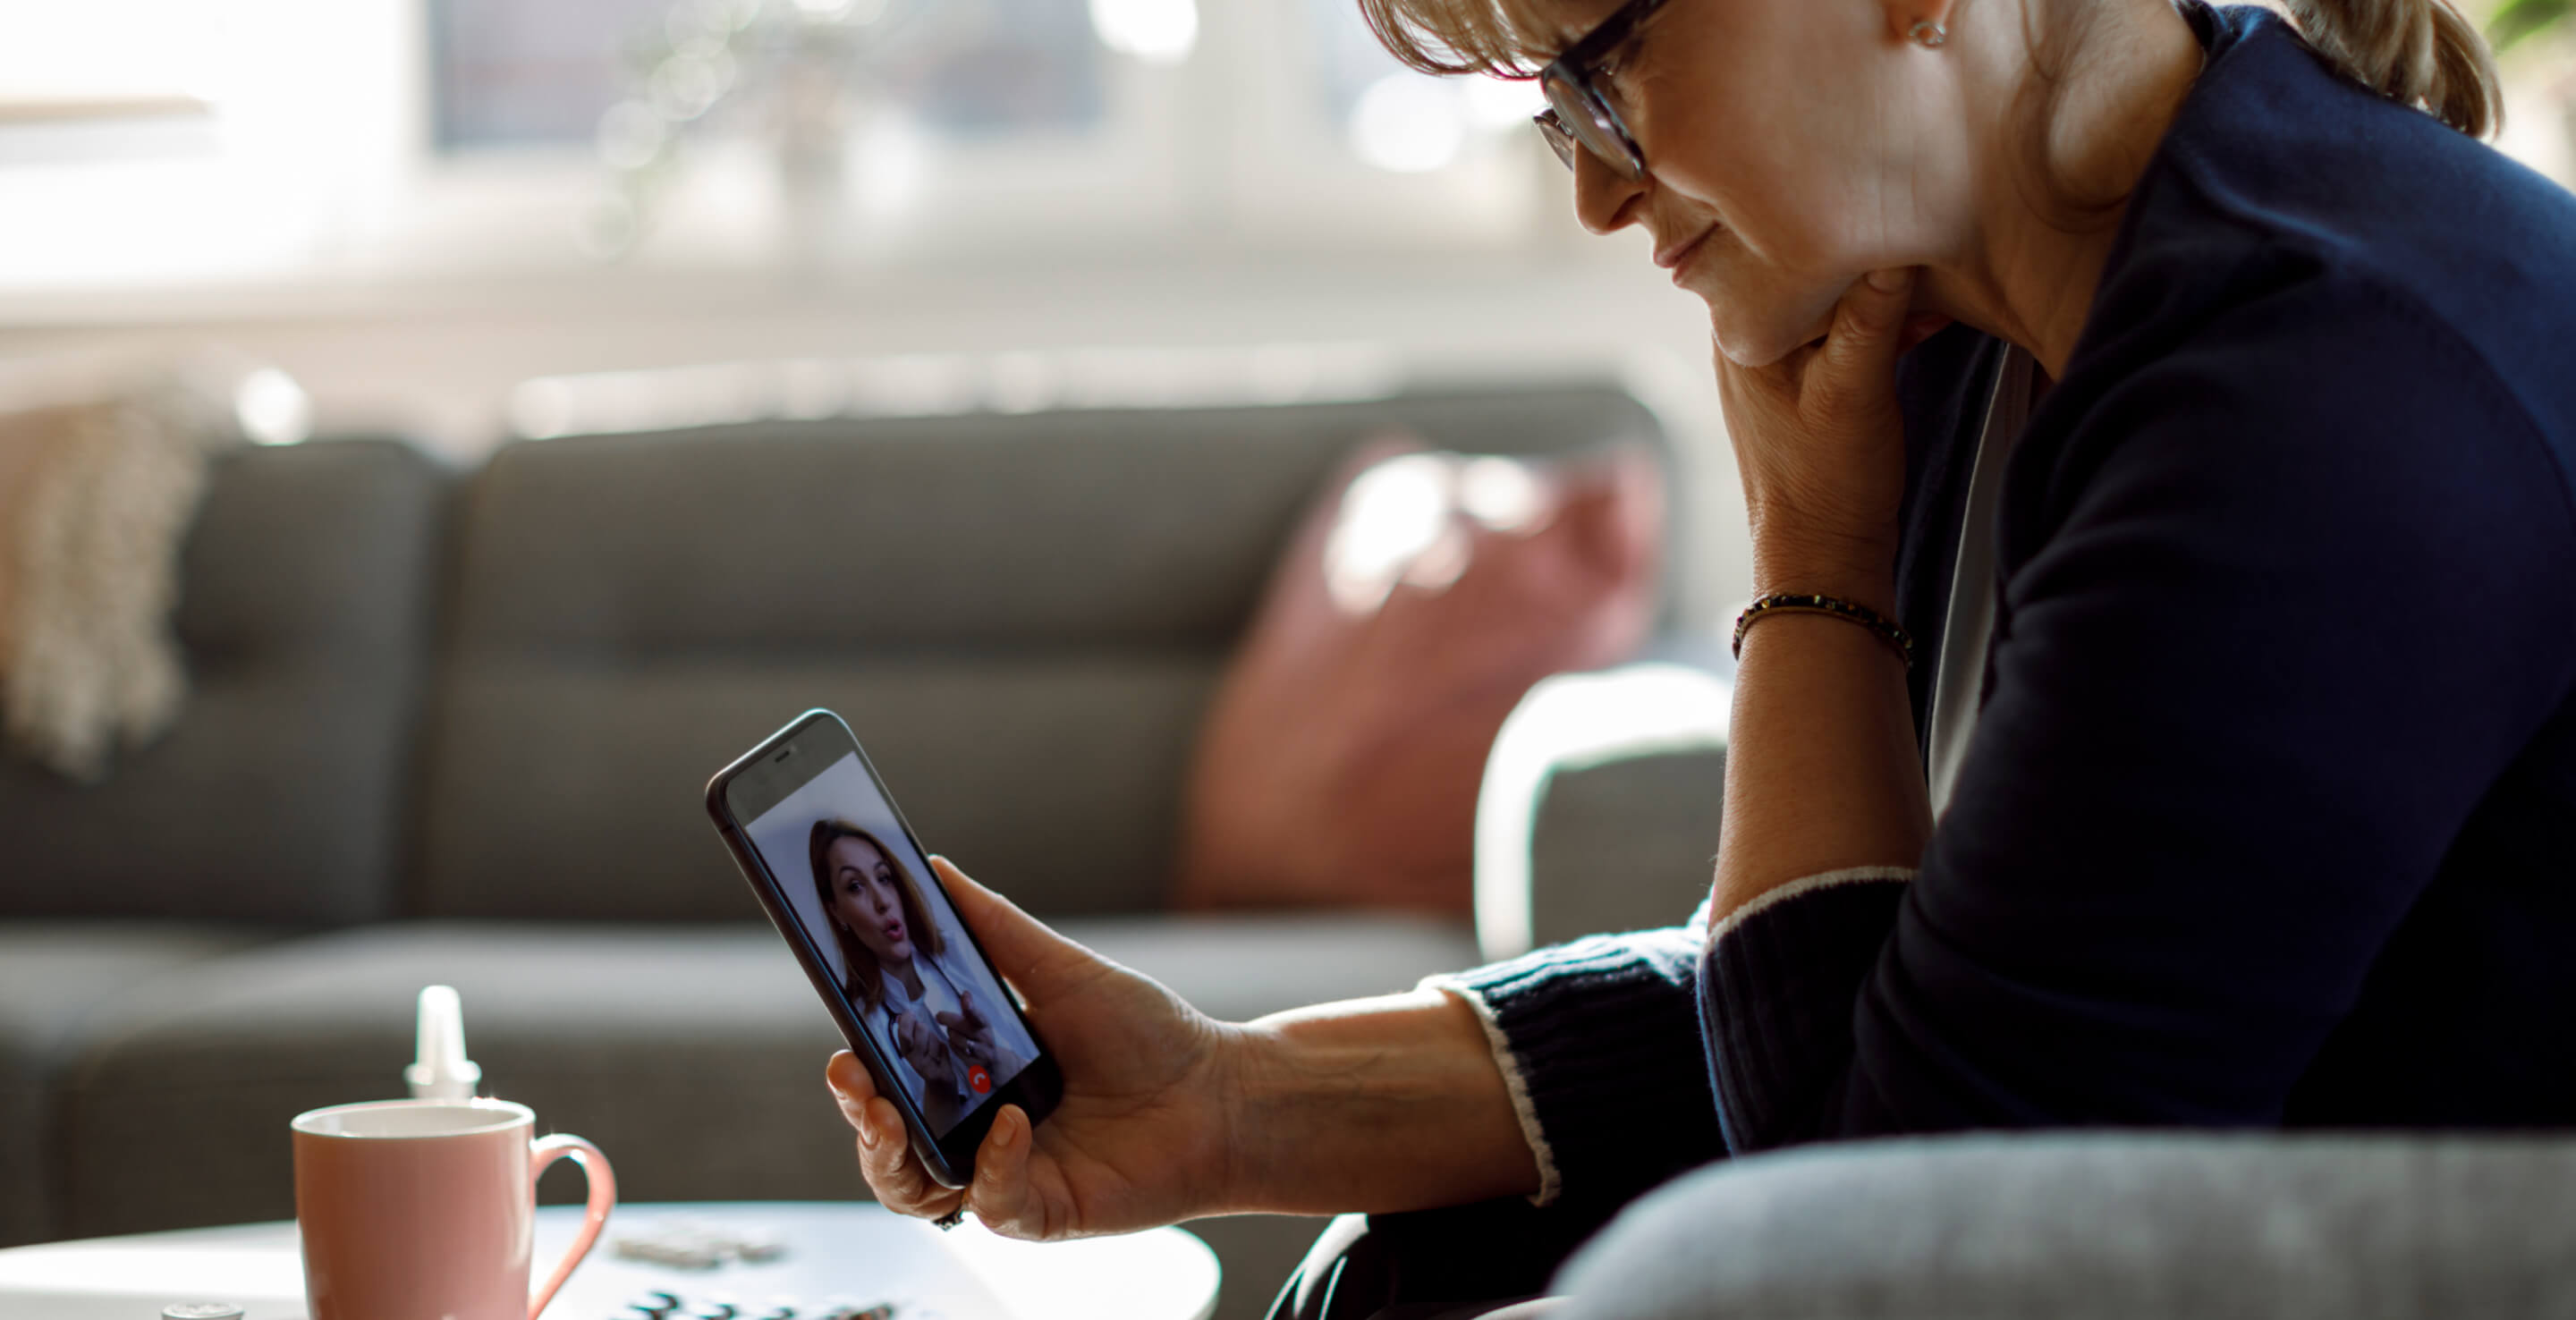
{"x":849,"y":887}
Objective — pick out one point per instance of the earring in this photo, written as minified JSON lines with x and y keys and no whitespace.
{"x":1928,"y":34}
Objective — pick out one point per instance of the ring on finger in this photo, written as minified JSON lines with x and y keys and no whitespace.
{"x":952,"y":1219}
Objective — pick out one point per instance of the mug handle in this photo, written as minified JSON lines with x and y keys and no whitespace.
{"x":603,"y":1198}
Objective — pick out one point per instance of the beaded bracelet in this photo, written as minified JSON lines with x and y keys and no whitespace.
{"x":1780,"y":603}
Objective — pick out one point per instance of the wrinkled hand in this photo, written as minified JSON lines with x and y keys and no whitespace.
{"x":1142,"y":1136}
{"x":1821,"y":449}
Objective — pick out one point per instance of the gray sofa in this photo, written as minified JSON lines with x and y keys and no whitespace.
{"x":452,"y":727}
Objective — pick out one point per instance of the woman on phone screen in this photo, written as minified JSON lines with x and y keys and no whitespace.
{"x":910,"y":992}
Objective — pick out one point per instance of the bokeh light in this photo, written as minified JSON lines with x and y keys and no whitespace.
{"x":1408,"y":124}
{"x":1155,"y":31}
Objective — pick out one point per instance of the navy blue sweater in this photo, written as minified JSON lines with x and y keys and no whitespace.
{"x":2270,"y":814}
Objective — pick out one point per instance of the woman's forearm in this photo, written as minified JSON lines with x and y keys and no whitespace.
{"x":1383,"y":1104}
{"x":1821,"y":770}
{"x":1397,"y":1103}
{"x":1821,"y":766}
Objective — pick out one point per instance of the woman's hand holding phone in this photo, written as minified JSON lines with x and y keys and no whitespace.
{"x":1392,"y":1103}
{"x":1141,"y":1137}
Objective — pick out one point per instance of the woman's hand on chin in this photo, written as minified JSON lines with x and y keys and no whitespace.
{"x":1821,"y":449}
{"x":1141,"y":1137}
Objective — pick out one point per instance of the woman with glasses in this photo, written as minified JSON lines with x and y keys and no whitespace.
{"x":2158,"y":705}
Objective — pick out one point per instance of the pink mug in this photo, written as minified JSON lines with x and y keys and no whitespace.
{"x":426,"y":1209}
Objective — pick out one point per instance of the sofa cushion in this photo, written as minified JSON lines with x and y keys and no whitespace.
{"x":693,"y":1056}
{"x":278,"y":795}
{"x":1021,"y":618}
{"x":54,"y":976}
{"x":584,"y":795}
{"x":2101,"y":1226}
{"x":1071,"y":529}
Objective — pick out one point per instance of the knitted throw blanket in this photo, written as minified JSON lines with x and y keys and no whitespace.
{"x":96,"y":496}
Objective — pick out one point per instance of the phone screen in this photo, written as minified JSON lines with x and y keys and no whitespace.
{"x":896,"y":951}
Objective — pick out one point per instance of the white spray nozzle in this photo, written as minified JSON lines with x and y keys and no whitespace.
{"x":442,"y":1072}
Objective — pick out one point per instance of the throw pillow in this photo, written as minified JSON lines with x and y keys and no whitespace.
{"x":1419,"y":600}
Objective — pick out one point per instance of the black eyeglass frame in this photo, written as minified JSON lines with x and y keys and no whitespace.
{"x":1575,"y":105}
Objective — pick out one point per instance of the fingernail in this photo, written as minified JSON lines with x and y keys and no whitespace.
{"x":1890,"y":280}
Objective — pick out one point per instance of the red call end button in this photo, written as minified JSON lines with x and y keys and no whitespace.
{"x":981,"y":1080}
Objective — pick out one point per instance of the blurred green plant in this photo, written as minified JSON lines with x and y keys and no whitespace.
{"x":787,"y":68}
{"x":2516,"y":20}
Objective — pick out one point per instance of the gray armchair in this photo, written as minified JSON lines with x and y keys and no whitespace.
{"x":1600,"y":803}
{"x":2101,"y":1227}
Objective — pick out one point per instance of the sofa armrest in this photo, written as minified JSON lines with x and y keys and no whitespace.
{"x":2104,"y":1227}
{"x":1600,"y":801}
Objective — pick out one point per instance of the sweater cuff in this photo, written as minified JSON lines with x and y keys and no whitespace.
{"x":1597,"y":1042}
{"x":1783,"y":977}
{"x":1550,"y":1182}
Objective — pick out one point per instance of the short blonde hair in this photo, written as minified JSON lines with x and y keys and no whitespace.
{"x":1498,"y":38}
{"x":2421,"y":53}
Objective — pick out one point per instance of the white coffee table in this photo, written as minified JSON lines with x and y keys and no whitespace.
{"x":854,"y":1254}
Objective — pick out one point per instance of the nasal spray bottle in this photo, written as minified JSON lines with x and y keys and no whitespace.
{"x":442,"y":1072}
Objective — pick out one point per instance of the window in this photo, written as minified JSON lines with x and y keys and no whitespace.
{"x":438,"y":138}
{"x":909,"y":127}
{"x":514,"y":73}
{"x":1002,"y":66}
{"x":92,"y":83}
{"x":1397,"y":119}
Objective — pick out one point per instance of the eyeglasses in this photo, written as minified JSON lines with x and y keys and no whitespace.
{"x":1578,"y":114}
